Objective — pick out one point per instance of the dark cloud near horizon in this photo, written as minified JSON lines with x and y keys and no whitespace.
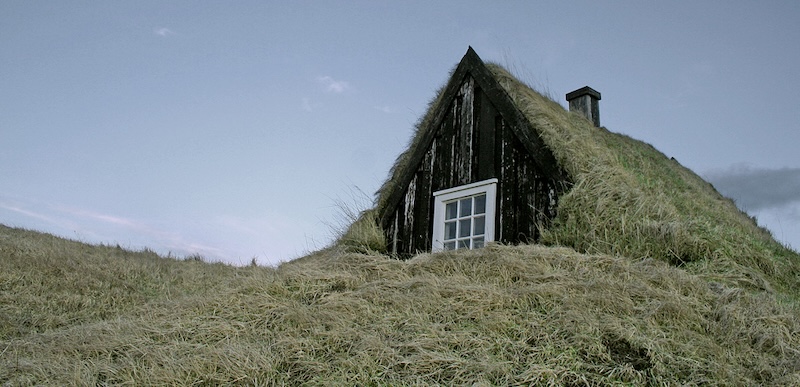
{"x":756,"y":188}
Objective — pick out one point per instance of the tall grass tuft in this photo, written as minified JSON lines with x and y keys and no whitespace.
{"x":364,"y":235}
{"x":356,"y":225}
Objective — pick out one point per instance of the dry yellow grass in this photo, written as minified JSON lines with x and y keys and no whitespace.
{"x":504,"y":315}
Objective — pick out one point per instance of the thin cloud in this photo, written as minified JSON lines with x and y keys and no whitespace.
{"x":758,"y":188}
{"x":28,"y":213}
{"x":59,"y":222}
{"x":332,"y":85}
{"x":162,"y":241}
{"x":115,"y":220}
{"x":385,"y":109}
{"x":96,"y":227}
{"x":163,"y":31}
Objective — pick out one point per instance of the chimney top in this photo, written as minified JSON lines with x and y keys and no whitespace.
{"x":584,"y":102}
{"x":586,"y":90}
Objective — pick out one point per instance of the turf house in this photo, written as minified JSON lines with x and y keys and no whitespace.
{"x":477,"y":170}
{"x":493,"y":160}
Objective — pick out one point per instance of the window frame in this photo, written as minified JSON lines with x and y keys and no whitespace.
{"x":442,"y":197}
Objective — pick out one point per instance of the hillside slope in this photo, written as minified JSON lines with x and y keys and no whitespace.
{"x":504,"y":315}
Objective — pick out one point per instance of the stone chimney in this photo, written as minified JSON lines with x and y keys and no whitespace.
{"x":584,"y":101}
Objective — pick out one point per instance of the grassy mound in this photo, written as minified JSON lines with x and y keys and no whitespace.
{"x":503,"y":315}
{"x":47,"y":282}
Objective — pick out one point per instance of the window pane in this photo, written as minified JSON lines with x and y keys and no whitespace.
{"x":451,"y":212}
{"x":480,"y":204}
{"x":463,"y":244}
{"x":450,"y":245}
{"x":464,"y":229}
{"x":477,"y":243}
{"x":466,"y":207}
{"x":480,"y":223}
{"x":450,"y":230}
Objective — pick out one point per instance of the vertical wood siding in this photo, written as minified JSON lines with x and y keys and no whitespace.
{"x":474,"y":143}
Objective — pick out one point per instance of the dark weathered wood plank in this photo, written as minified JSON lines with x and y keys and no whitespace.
{"x":508,"y":190}
{"x":485,"y":144}
{"x":463,"y":172}
{"x":394,"y":233}
{"x":447,"y":152}
{"x":408,"y":213}
{"x":421,"y":230}
{"x":498,"y":130}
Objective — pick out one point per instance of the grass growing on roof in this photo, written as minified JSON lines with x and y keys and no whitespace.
{"x":629,"y":199}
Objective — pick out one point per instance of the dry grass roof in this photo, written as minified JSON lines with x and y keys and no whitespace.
{"x":629,"y":199}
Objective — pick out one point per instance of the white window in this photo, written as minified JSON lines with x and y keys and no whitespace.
{"x":463,"y":217}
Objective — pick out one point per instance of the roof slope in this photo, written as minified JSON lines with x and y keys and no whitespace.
{"x":629,"y":199}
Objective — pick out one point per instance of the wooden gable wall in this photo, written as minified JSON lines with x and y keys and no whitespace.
{"x":478,"y":135}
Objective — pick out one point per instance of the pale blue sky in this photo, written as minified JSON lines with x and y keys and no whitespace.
{"x":230,"y":129}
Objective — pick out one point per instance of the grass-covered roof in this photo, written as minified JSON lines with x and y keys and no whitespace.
{"x":631,"y":200}
{"x":628,"y":199}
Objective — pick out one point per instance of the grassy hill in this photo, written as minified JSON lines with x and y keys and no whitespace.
{"x":74,"y":314}
{"x":647,"y":276}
